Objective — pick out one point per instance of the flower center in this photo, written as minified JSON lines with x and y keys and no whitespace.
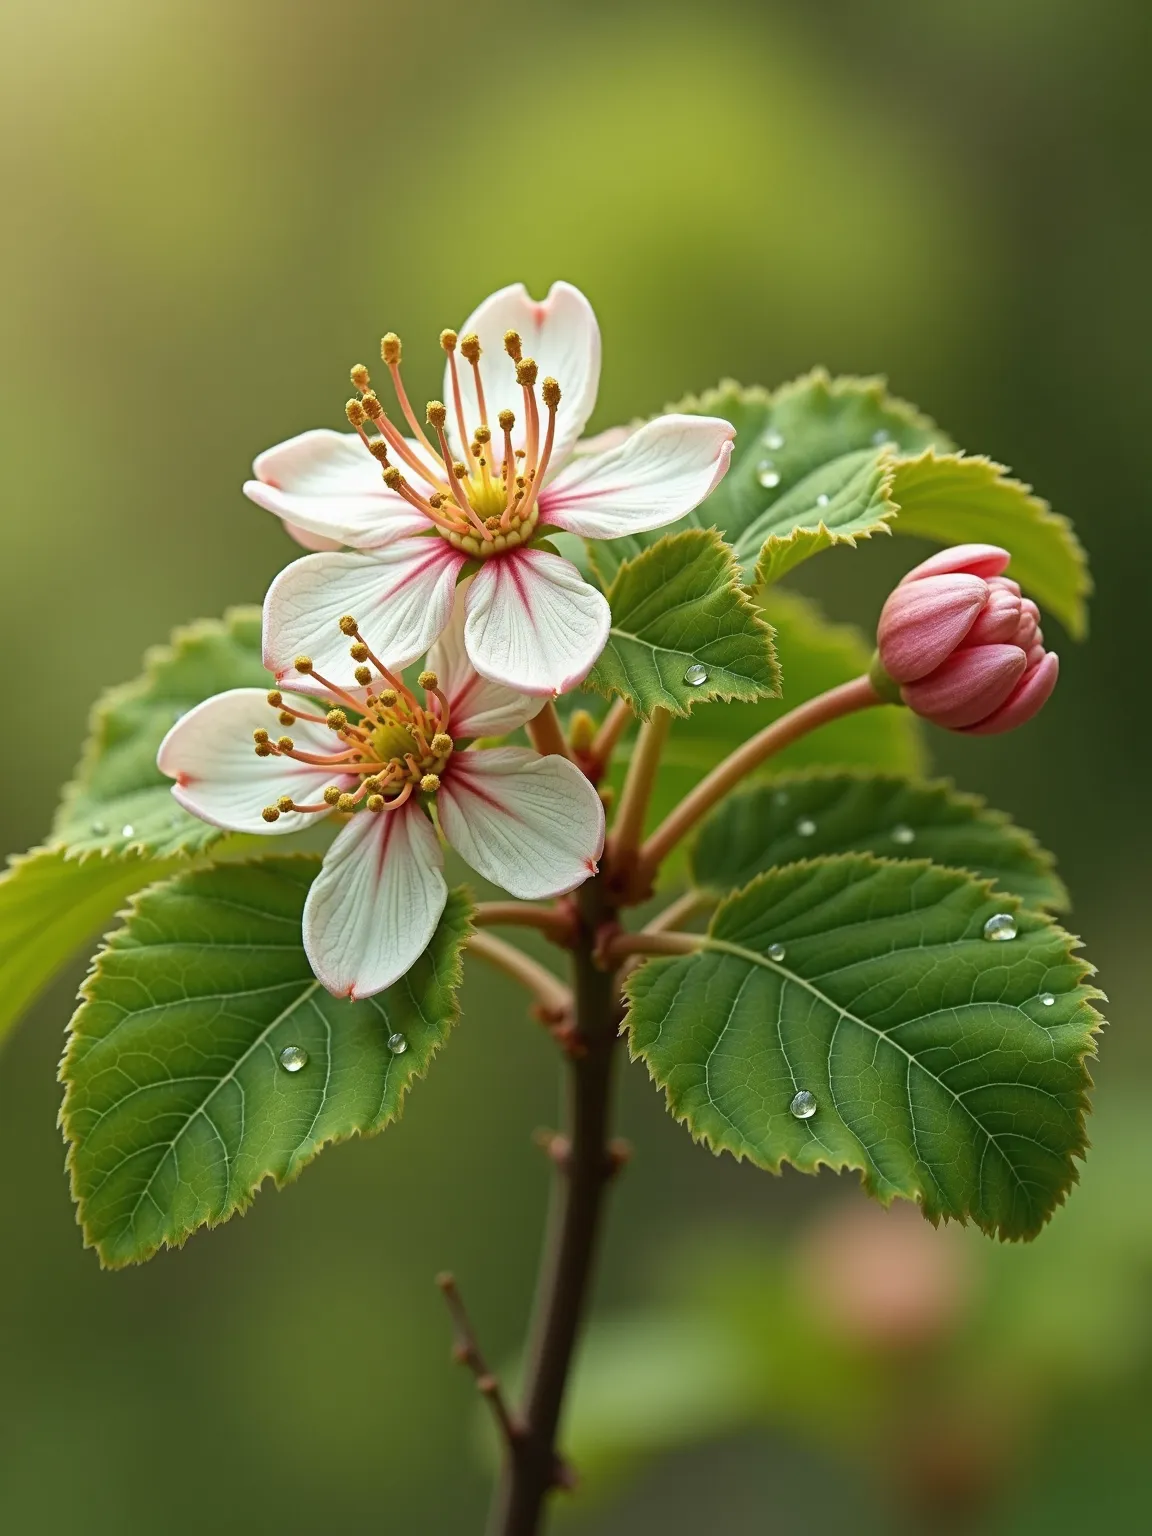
{"x":387,"y":740}
{"x":488,"y":501}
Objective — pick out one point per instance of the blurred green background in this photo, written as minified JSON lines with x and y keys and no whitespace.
{"x":211,"y":210}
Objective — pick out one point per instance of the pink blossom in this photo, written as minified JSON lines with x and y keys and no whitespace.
{"x":377,"y":756}
{"x":473,"y":489}
{"x":963,"y":645}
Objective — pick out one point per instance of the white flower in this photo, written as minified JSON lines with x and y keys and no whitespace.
{"x":532,"y":621}
{"x":531,"y":824}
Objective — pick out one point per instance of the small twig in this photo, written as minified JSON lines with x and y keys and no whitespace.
{"x":628,"y":828}
{"x":607,"y":739}
{"x":678,"y":911}
{"x":546,"y":733}
{"x":627,"y":945}
{"x":553,"y":999}
{"x":466,"y":1351}
{"x":557,"y":922}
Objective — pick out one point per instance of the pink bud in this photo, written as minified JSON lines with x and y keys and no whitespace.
{"x":964,"y":647}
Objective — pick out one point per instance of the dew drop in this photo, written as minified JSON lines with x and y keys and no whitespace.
{"x":776,"y":952}
{"x":397,"y":1044}
{"x":1000,"y":927}
{"x":99,"y":828}
{"x":768,"y":475}
{"x":293,"y":1058}
{"x":780,"y":797}
{"x":805,"y":827}
{"x":774,"y":439}
{"x":903,"y":835}
{"x":803,"y":1106}
{"x":127,"y":830}
{"x":1047,"y":999}
{"x":823,"y":499}
{"x":880,"y":437}
{"x":695,"y":675}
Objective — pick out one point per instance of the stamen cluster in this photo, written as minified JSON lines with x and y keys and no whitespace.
{"x":487,"y":501}
{"x":395,"y":745}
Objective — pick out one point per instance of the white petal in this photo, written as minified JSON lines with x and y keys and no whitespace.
{"x":374,"y":906}
{"x":327,"y":485}
{"x":657,"y":475}
{"x":533,"y":622}
{"x":533,"y":825}
{"x":560,"y":333}
{"x":210,"y":754}
{"x":401,"y":597}
{"x":478,"y":707}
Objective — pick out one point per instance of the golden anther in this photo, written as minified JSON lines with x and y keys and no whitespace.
{"x":363,"y":676}
{"x":390,"y":349}
{"x":360,"y":377}
{"x":270,"y":813}
{"x":346,"y":803}
{"x":285,"y":743}
{"x":371,"y":785}
{"x":331,"y":795}
{"x":335,"y":719}
{"x":492,"y":524}
{"x":372,"y":407}
{"x":582,"y":731}
{"x":303,"y":664}
{"x":393,"y":479}
{"x":470,"y":346}
{"x":378,"y":448}
{"x":286,"y":717}
{"x":275,"y":698}
{"x":430,"y":783}
{"x":428,"y":680}
{"x":460,"y":470}
{"x":348,"y":624}
{"x":526,"y":372}
{"x":359,"y":651}
{"x":286,"y":803}
{"x":355,"y":413}
{"x":513,"y":345}
{"x":507,"y":420}
{"x":436,"y":500}
{"x":483,"y":435}
{"x":521,"y":453}
{"x":550,"y":393}
{"x":448,"y":340}
{"x":260,"y":735}
{"x":263,"y":749}
{"x":437,"y":413}
{"x":375,"y":802}
{"x":387,"y":697}
{"x":441,"y":743}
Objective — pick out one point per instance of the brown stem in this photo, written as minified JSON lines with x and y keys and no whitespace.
{"x":466,"y":1350}
{"x":533,"y":1467}
{"x":553,"y":921}
{"x":552,"y":997}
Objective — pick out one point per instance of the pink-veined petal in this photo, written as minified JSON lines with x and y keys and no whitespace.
{"x":984,"y":560}
{"x":478,"y":707}
{"x":560,"y":333}
{"x":374,"y":906}
{"x":1029,"y":696}
{"x":401,"y":597}
{"x":532,"y":825}
{"x":211,"y":755}
{"x":327,"y":486}
{"x":967,"y":687}
{"x":658,"y":474}
{"x":532,"y":622}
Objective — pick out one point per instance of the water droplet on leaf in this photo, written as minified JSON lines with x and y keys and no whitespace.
{"x":768,"y":475}
{"x":774,"y":439}
{"x":99,"y":828}
{"x":803,"y":1106}
{"x":805,"y":827}
{"x":903,"y":835}
{"x":397,"y":1044}
{"x":776,"y":952}
{"x":780,"y":797}
{"x":695,"y":675}
{"x":127,"y":830}
{"x":1000,"y":927}
{"x":880,"y":437}
{"x":823,"y":499}
{"x":1047,"y":999}
{"x":293,"y":1057}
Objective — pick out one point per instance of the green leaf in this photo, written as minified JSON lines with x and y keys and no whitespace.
{"x":119,"y":800}
{"x":820,"y":437}
{"x":676,"y":606}
{"x":957,"y":500}
{"x":176,"y":1106}
{"x":804,"y":815}
{"x":938,"y":1068}
{"x":48,"y":907}
{"x":814,"y":656}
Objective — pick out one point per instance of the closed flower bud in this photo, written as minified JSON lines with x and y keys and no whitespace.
{"x":961,"y":645}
